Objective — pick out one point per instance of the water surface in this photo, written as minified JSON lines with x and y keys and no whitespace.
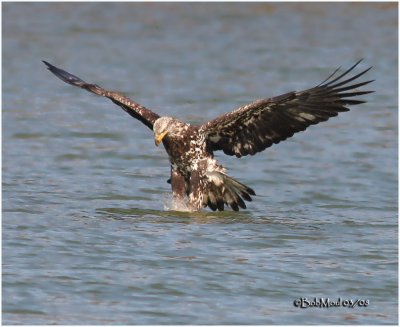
{"x":86,"y":235}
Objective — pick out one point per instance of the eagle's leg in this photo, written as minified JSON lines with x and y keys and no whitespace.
{"x":198,"y":186}
{"x":179,"y":186}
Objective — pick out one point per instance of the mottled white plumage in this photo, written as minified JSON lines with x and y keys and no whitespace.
{"x":196,"y":177}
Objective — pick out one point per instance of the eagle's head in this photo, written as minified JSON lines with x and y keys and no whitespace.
{"x":165,"y":126}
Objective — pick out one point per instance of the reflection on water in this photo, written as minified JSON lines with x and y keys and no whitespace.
{"x":86,"y":237}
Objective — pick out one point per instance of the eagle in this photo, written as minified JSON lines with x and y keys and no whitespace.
{"x":197,"y":179}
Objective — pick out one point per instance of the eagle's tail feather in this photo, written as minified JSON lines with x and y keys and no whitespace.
{"x":226,"y":190}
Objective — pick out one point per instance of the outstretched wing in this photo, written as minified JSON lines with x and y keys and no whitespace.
{"x":260,"y":124}
{"x":137,"y":111}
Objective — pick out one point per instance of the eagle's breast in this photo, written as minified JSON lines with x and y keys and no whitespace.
{"x":186,"y":147}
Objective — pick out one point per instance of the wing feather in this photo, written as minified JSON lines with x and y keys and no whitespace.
{"x":134,"y":109}
{"x":262,"y":123}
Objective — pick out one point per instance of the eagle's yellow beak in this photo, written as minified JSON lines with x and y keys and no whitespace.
{"x":159,"y":137}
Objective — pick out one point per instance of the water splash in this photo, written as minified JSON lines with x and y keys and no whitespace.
{"x":173,"y":204}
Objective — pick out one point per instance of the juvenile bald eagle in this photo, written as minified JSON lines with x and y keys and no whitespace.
{"x":196,"y":177}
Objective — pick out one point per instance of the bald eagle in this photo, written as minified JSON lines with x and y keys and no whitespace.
{"x":196,"y":177}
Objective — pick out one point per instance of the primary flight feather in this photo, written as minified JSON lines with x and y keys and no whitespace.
{"x":196,"y":177}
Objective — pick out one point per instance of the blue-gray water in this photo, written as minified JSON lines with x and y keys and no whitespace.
{"x":86,"y":236}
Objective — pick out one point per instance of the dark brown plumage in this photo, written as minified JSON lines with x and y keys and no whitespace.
{"x":262,"y":123}
{"x":196,"y":177}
